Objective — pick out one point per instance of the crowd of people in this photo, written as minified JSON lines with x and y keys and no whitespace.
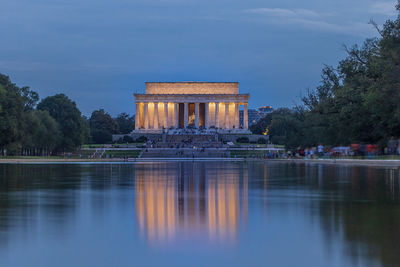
{"x":185,"y":141}
{"x":354,"y":150}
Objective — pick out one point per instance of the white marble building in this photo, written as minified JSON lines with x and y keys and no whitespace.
{"x":197,"y":105}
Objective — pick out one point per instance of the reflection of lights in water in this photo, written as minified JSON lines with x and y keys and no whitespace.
{"x":202,"y":202}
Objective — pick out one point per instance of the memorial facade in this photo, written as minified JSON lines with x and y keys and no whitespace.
{"x":196,"y":105}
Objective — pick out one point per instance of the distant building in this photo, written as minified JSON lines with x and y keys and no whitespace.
{"x":254,"y":115}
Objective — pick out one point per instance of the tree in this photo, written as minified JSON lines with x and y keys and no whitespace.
{"x":41,"y":133}
{"x":358,"y":101}
{"x":88,"y":137}
{"x":284,"y":126}
{"x":11,"y":115}
{"x":48,"y":133}
{"x":30,"y":98}
{"x":68,"y":116}
{"x":102,"y":126}
{"x":125,"y":123}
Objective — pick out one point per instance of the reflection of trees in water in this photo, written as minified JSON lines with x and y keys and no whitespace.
{"x":190,"y":199}
{"x":30,"y":191}
{"x":27,"y":191}
{"x":361,"y":205}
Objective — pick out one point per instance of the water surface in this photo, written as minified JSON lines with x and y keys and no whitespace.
{"x":199,"y":214}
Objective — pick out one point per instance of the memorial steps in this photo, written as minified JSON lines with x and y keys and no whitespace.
{"x":184,"y":153}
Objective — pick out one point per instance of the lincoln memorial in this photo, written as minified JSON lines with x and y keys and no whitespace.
{"x":208,"y":106}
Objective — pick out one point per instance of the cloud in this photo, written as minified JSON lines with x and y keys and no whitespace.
{"x":310,"y":19}
{"x":280,"y":12}
{"x":384,"y":8}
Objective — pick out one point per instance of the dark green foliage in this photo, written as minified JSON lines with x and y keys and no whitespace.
{"x":23,"y":129}
{"x":141,"y":139}
{"x":283,"y":126}
{"x":68,"y":116}
{"x":358,"y":101}
{"x":48,"y":133}
{"x":242,"y":140}
{"x":30,"y":98}
{"x":11,"y":115}
{"x":88,"y":137}
{"x":261,"y":140}
{"x":122,"y":153}
{"x":55,"y":125}
{"x":127,"y":139}
{"x":102,"y":127}
{"x":41,"y":132}
{"x":125,"y":123}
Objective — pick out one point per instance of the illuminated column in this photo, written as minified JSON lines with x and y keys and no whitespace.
{"x":216,"y":114}
{"x":146,"y":115}
{"x":155,"y":124}
{"x":137,"y":116}
{"x":186,"y":114}
{"x":166,"y":115}
{"x":236,"y":115}
{"x":196,"y":115}
{"x":245,"y":117}
{"x":206,"y":115}
{"x":176,"y":113}
{"x":227,"y":126}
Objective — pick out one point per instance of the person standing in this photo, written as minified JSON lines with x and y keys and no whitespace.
{"x":320,"y":150}
{"x":398,"y":148}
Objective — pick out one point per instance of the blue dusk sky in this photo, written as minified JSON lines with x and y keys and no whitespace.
{"x":100,"y":52}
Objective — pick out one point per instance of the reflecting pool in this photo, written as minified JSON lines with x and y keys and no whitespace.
{"x":199,"y":214}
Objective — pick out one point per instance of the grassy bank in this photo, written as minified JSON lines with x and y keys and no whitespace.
{"x":248,"y":153}
{"x":121,"y":153}
{"x":116,"y":145}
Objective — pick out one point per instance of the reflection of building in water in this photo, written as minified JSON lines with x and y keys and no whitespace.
{"x":191,"y":199}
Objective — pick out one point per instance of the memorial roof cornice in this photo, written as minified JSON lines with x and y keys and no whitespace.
{"x":191,"y":97}
{"x":192,"y":82}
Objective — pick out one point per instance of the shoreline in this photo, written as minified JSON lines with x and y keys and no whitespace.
{"x":360,"y":162}
{"x":354,"y":162}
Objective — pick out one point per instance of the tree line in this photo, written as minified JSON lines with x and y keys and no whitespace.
{"x":51,"y":126}
{"x":358,"y":101}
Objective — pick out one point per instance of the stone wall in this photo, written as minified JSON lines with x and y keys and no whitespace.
{"x":192,"y":88}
